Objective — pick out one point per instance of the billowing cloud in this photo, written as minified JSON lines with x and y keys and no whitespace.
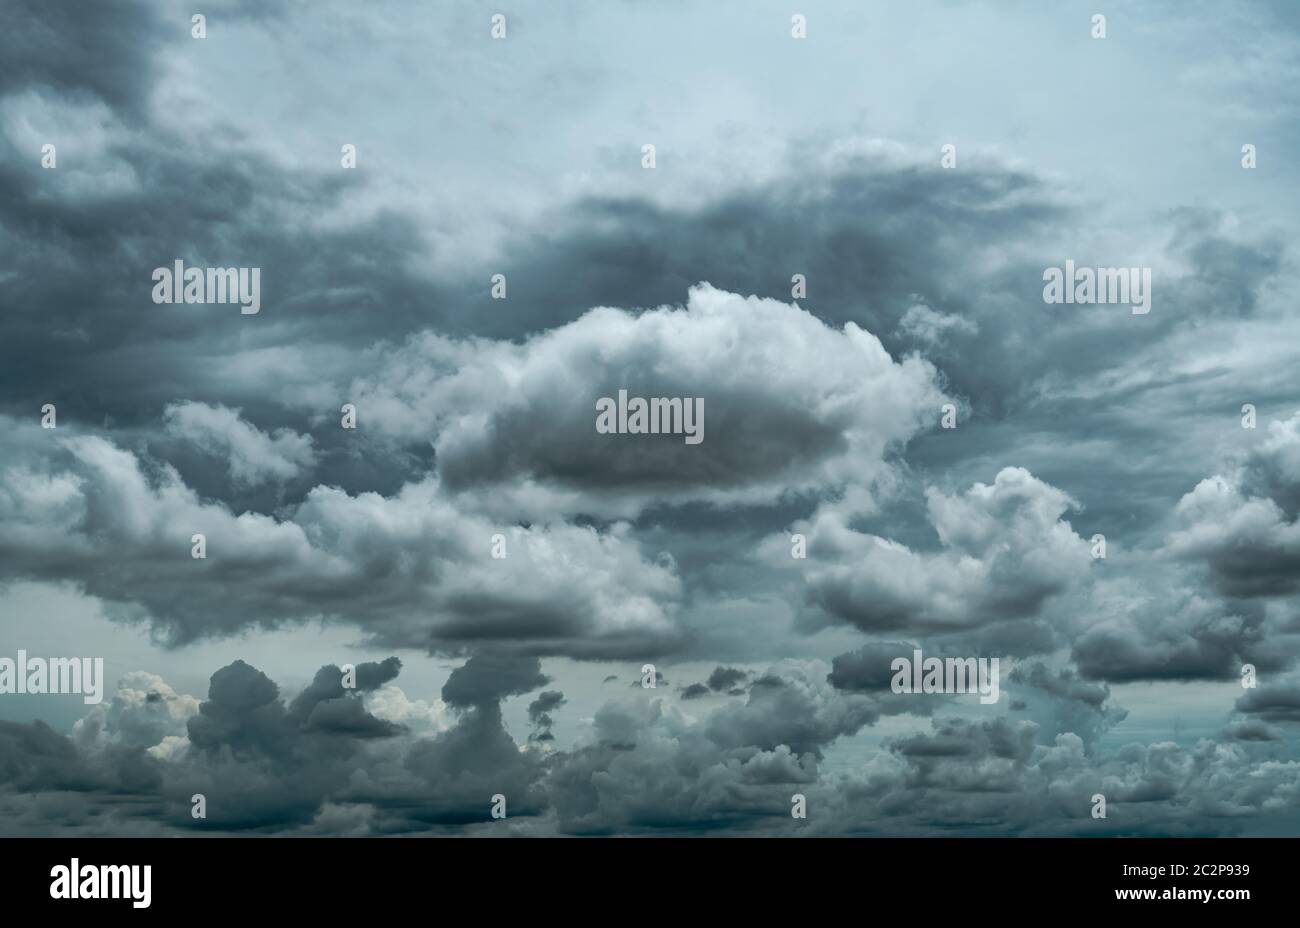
{"x":1274,"y":700}
{"x":1171,"y":634}
{"x":1249,"y":545}
{"x":1005,"y":550}
{"x":790,"y":405}
{"x":252,"y":455}
{"x":409,"y":569}
{"x":144,"y":711}
{"x":644,"y":766}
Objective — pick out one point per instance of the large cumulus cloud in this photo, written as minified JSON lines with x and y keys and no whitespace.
{"x":1005,"y":551}
{"x":790,"y":405}
{"x":1238,"y":524}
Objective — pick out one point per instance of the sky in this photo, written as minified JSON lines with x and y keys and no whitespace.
{"x":858,"y":308}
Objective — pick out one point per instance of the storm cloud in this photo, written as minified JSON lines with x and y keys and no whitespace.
{"x":383,"y":627}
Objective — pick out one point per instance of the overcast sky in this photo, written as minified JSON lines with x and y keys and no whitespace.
{"x":522,"y":675}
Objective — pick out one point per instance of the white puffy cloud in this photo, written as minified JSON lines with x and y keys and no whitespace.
{"x":254,"y":456}
{"x":419,"y":717}
{"x":144,"y":712}
{"x":924,"y":324}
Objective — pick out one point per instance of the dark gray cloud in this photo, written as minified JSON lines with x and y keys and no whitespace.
{"x":1177,"y":637}
{"x":539,"y":714}
{"x":721,"y":680}
{"x":487,"y":678}
{"x":100,"y":52}
{"x":1276,"y":700}
{"x":1252,"y":730}
{"x":867,"y":669}
{"x":725,"y":678}
{"x":328,"y":685}
{"x":37,"y":758}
